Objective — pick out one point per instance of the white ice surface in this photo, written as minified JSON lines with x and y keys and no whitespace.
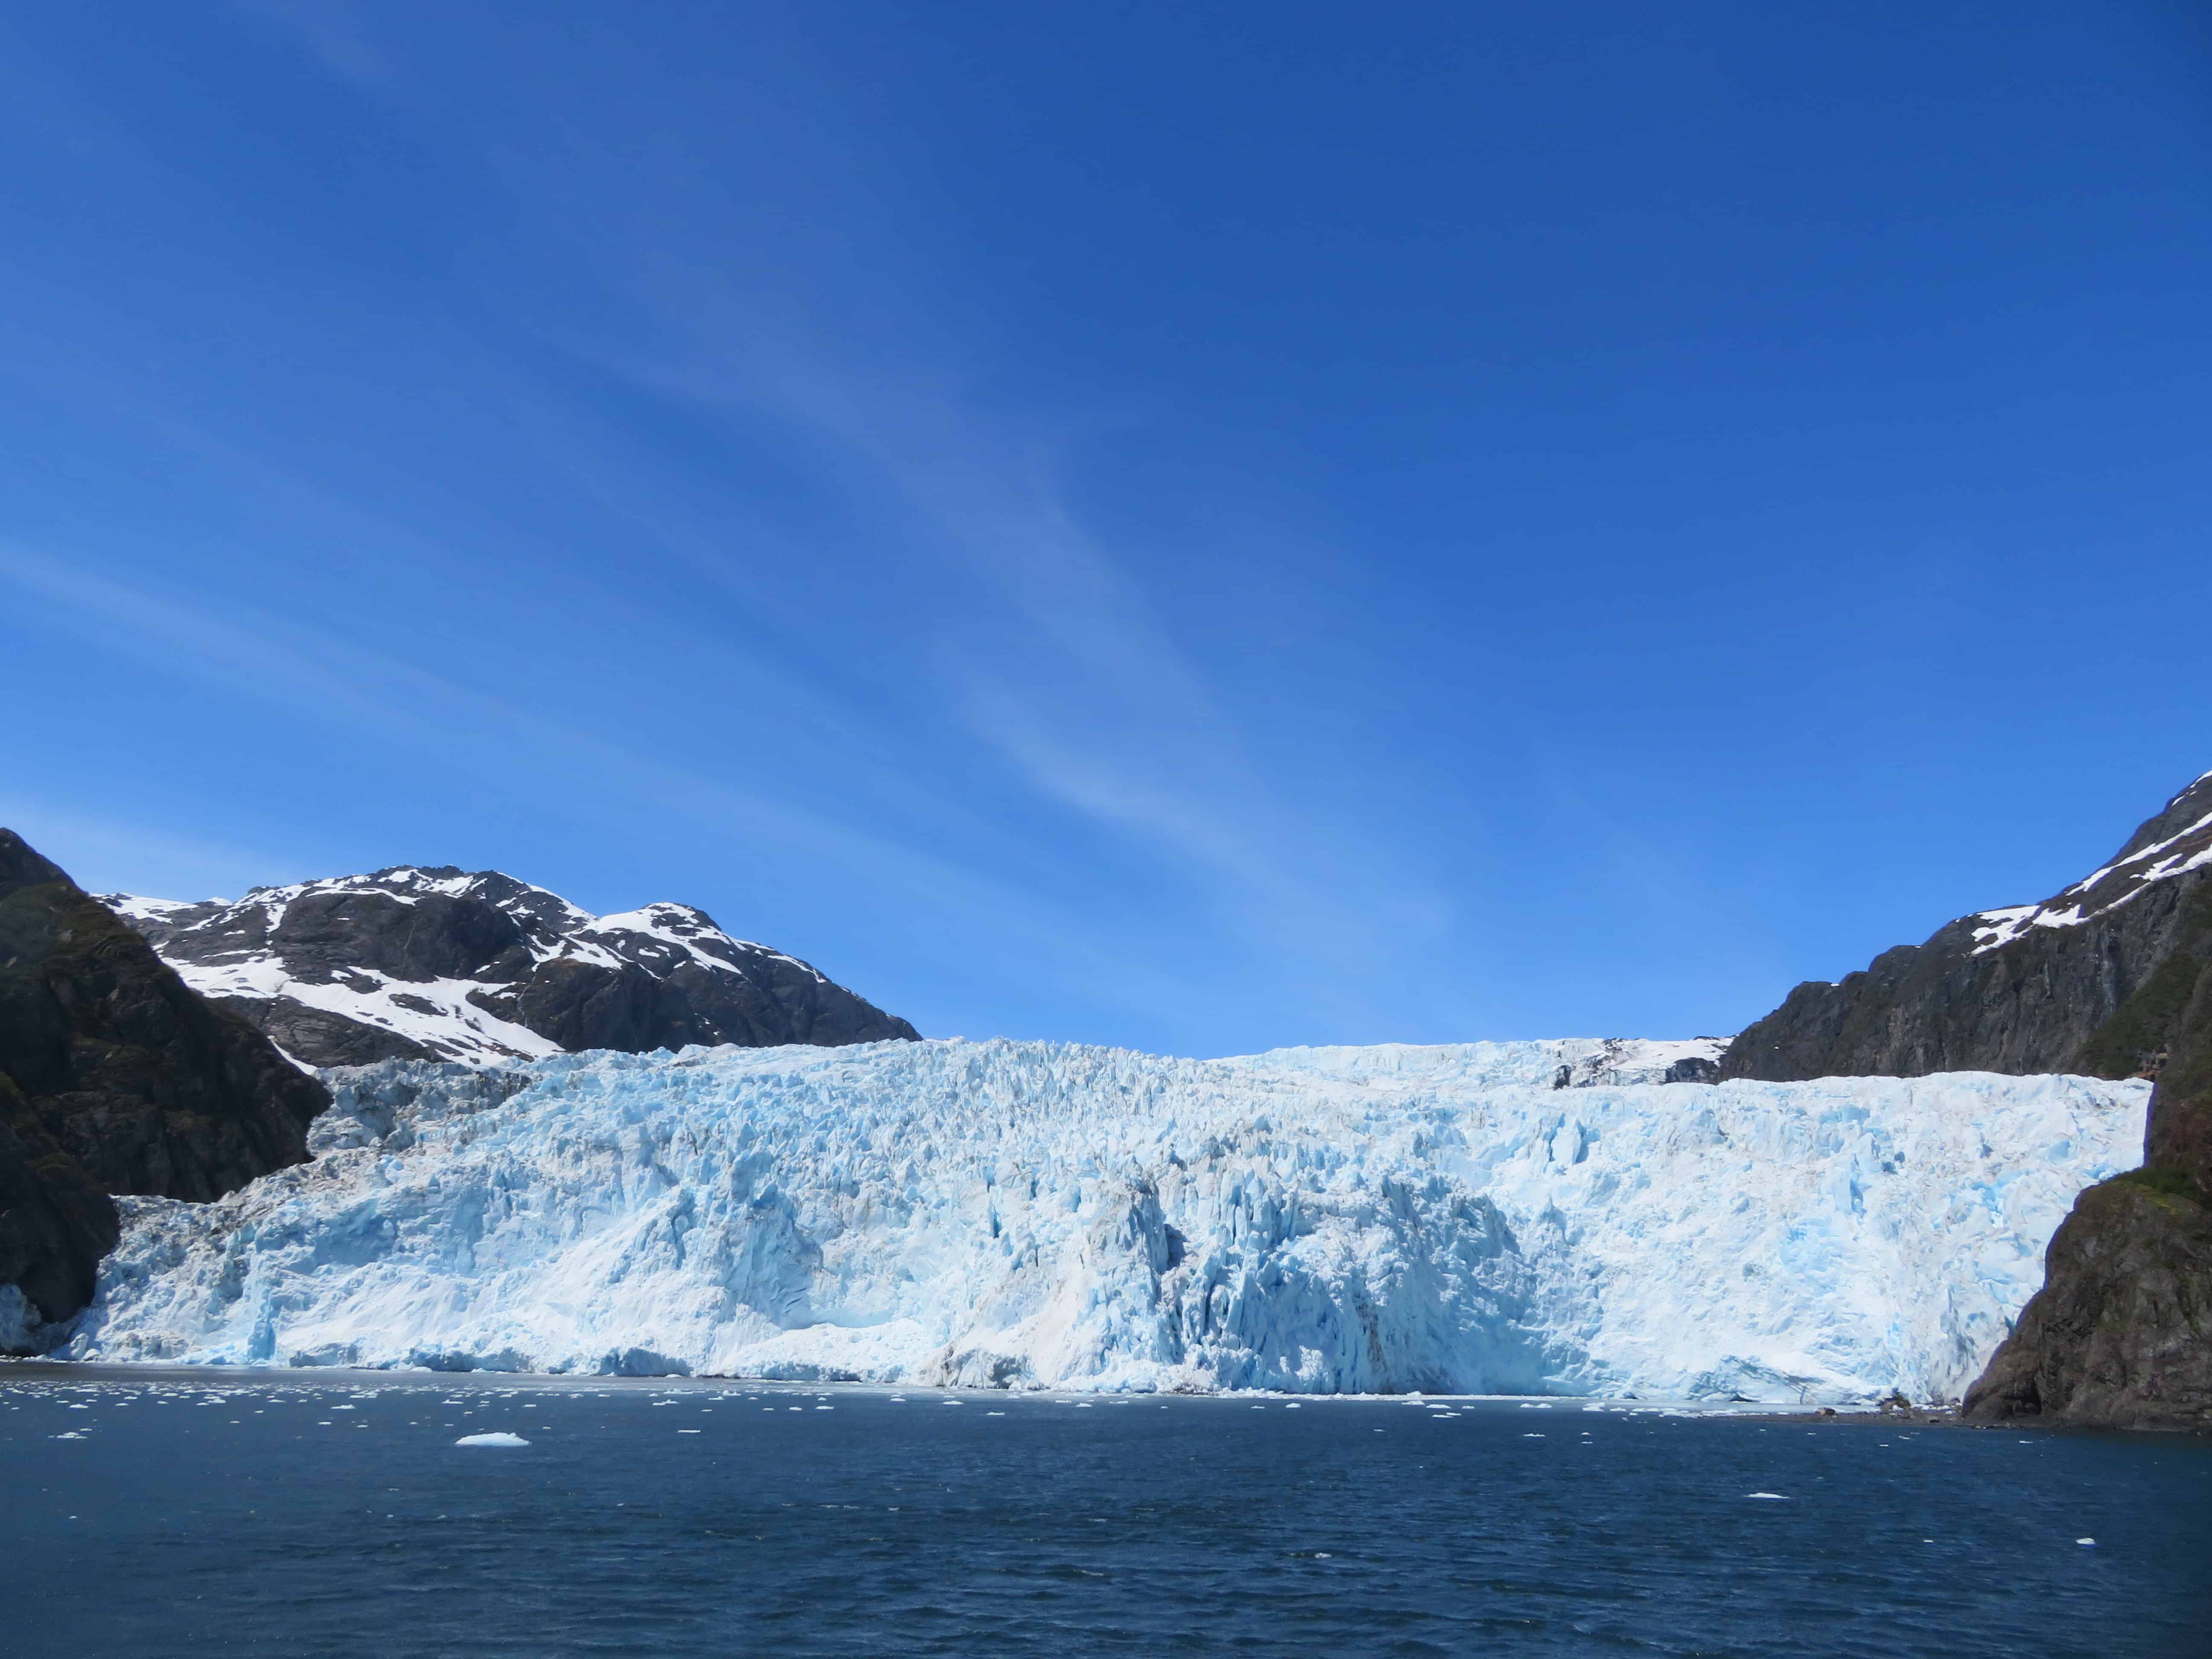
{"x":1036,"y":1214}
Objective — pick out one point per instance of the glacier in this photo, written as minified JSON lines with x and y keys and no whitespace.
{"x":1018,"y":1214}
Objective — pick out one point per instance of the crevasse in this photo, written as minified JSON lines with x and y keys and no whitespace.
{"x":1023,"y":1214}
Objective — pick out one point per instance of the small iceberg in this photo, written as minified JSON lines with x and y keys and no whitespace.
{"x":500,"y":1438}
{"x":1770,"y":1497}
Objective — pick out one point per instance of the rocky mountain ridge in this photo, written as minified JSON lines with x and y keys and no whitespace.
{"x":2120,"y":1335}
{"x":415,"y":962}
{"x":2107,"y":978}
{"x":115,"y":1079}
{"x":2093,"y":980}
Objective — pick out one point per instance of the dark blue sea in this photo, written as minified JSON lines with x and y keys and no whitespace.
{"x":291,"y":1513}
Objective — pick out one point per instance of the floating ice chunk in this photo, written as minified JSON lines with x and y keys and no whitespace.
{"x":500,"y":1438}
{"x":2086,"y":1543}
{"x":71,"y":1435}
{"x":1770,"y":1497}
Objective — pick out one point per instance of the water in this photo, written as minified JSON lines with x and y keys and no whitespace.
{"x":331,"y":1513}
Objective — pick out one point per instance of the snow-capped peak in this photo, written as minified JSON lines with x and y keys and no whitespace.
{"x":432,"y":962}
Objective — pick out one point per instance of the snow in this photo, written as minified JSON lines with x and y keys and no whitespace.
{"x":132,"y":907}
{"x":2091,"y":897}
{"x":435,"y":1012}
{"x":442,"y":1016}
{"x":684,"y":934}
{"x":1024,"y":1214}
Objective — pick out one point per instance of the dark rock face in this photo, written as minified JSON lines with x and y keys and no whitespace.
{"x":442,"y":964}
{"x":115,"y":1078}
{"x":2094,"y":980}
{"x":2120,"y":1335}
{"x":56,"y":1222}
{"x":2107,"y":979}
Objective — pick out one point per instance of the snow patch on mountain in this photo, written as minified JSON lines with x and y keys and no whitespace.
{"x":2106,"y":889}
{"x":1020,"y":1214}
{"x":331,"y":948}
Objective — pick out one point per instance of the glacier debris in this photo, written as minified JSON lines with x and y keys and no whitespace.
{"x":1033,"y":1214}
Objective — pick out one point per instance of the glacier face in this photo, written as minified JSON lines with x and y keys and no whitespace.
{"x":1042,"y":1214}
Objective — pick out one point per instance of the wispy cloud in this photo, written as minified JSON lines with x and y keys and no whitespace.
{"x":762,"y":279}
{"x":1046,"y":646}
{"x":413,"y":708}
{"x":107,"y":855}
{"x":402,"y":704}
{"x":332,"y":30}
{"x":1040,"y":642}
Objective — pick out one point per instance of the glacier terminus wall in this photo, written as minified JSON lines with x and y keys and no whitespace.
{"x":1028,"y":1214}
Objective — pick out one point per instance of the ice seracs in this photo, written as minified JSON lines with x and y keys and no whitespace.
{"x":1020,"y":1214}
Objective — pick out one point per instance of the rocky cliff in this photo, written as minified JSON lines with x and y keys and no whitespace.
{"x":114,"y":1077}
{"x":2107,"y":978}
{"x":2094,"y":980}
{"x":2120,"y":1335}
{"x":439,"y":964}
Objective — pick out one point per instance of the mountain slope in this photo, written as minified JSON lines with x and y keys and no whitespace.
{"x":114,"y":1077}
{"x":438,"y":964}
{"x":2109,"y":979}
{"x":2120,"y":1335}
{"x":2094,"y":980}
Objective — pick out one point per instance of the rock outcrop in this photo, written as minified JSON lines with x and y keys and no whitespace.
{"x":2107,"y":979}
{"x":2120,"y":1335}
{"x":114,"y":1077}
{"x":439,"y":963}
{"x":2093,"y":981}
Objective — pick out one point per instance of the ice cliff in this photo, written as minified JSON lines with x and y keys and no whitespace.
{"x":1020,"y":1213}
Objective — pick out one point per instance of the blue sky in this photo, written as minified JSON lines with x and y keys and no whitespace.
{"x":1192,"y":526}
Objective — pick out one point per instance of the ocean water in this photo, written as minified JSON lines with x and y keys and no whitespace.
{"x":309,"y":1513}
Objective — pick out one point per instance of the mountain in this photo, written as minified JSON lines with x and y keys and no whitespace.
{"x":2108,"y":979}
{"x":438,"y":964}
{"x":2095,"y":980}
{"x":1022,"y":1214}
{"x":114,"y":1077}
{"x":2120,"y":1335}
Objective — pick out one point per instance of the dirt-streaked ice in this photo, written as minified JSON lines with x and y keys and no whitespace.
{"x":1027,"y":1213}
